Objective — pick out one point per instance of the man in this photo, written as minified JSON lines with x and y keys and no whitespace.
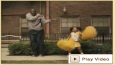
{"x":36,"y":32}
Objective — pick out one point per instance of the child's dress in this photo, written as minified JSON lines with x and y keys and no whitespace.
{"x":75,"y":38}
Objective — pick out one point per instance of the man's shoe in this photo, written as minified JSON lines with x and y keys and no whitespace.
{"x":81,"y":53}
{"x":34,"y":55}
{"x":41,"y":55}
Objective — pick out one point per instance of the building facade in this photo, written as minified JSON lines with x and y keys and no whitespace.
{"x":67,"y":13}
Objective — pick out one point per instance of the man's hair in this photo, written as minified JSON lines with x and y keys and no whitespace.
{"x":33,"y":9}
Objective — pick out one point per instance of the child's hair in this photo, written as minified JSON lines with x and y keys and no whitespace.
{"x":79,"y":28}
{"x":71,"y":29}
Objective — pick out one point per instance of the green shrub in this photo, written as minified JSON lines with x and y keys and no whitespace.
{"x":94,"y":48}
{"x":23,"y":48}
{"x":51,"y":48}
{"x":19,"y":48}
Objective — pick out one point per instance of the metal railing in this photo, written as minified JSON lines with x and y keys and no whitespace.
{"x":8,"y":37}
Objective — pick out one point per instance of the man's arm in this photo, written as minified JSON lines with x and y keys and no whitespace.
{"x":31,"y":18}
{"x":45,"y":21}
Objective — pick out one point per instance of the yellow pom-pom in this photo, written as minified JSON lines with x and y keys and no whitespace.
{"x":66,"y":45}
{"x":89,"y":33}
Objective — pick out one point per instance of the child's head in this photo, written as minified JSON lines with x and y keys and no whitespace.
{"x":79,"y":29}
{"x":73,"y":29}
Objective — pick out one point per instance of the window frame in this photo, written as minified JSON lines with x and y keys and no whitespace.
{"x":21,"y":24}
{"x":70,"y":16}
{"x":110,"y":31}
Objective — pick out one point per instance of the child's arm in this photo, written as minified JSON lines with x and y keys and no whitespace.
{"x":69,"y":37}
{"x":78,"y":34}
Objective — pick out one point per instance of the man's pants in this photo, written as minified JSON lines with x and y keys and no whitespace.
{"x":37,"y":41}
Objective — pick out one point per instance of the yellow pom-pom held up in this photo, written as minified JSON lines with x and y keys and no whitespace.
{"x":89,"y":33}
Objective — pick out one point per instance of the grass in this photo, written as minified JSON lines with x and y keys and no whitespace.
{"x":35,"y":62}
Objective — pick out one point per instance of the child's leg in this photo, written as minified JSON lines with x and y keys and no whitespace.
{"x":68,"y":53}
{"x":80,"y":50}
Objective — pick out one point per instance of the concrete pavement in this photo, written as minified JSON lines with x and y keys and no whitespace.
{"x":5,"y":56}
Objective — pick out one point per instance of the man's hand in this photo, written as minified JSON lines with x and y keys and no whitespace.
{"x":40,"y":16}
{"x":53,"y":19}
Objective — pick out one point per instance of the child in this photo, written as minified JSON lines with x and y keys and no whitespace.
{"x":74,"y":36}
{"x":73,"y":40}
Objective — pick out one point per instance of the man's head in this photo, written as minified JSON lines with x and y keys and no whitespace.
{"x":33,"y":12}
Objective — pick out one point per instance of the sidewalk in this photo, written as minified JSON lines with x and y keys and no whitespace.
{"x":4,"y":52}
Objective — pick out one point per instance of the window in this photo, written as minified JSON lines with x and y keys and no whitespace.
{"x":68,"y":22}
{"x":101,"y":23}
{"x":24,"y":27}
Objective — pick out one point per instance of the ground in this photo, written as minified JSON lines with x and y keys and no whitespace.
{"x":50,"y":59}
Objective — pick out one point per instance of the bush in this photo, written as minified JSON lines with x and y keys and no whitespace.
{"x":23,"y":48}
{"x":51,"y":48}
{"x":19,"y":48}
{"x":94,"y":48}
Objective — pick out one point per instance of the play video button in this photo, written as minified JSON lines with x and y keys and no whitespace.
{"x":74,"y":59}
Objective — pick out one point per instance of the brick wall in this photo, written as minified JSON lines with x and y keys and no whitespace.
{"x":10,"y":24}
{"x":13,"y":11}
{"x":82,"y":8}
